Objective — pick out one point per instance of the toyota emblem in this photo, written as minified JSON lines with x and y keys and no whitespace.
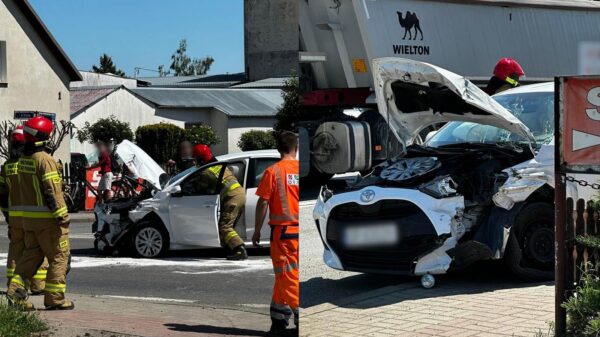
{"x":367,"y":195}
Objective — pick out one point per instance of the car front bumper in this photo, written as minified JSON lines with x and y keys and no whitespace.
{"x":426,"y":227}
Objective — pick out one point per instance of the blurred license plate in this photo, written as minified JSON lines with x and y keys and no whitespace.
{"x":371,"y":236}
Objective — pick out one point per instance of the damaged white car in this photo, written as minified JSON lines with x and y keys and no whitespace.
{"x":176,"y":213}
{"x":480,"y":188}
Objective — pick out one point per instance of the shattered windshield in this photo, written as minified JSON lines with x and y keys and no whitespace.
{"x":536,"y":110}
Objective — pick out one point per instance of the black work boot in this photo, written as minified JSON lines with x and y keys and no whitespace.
{"x":20,"y":301}
{"x":278,"y":328}
{"x":239,"y":253}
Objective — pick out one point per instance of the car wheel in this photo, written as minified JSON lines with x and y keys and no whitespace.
{"x":530,"y":248}
{"x":102,"y":247}
{"x":149,"y":240}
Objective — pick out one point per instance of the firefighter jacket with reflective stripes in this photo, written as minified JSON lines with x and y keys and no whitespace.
{"x":8,"y":178}
{"x":209,"y":180}
{"x":39,"y":199}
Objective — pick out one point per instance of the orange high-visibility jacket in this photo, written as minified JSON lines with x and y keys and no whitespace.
{"x":280,"y":186}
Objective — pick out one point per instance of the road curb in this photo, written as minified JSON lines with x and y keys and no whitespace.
{"x":355,"y":298}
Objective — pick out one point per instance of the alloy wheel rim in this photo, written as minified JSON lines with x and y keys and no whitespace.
{"x":149,"y":242}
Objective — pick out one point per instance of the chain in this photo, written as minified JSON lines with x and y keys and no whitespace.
{"x":583,"y":183}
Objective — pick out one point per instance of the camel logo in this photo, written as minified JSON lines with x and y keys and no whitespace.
{"x":412,"y":27}
{"x":409,"y":22}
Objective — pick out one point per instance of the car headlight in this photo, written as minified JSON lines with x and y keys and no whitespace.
{"x":440,"y":187}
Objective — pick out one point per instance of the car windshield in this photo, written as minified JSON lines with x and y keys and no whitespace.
{"x":181,"y":175}
{"x":536,"y":110}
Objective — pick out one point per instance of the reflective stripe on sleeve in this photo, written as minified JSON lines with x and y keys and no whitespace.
{"x":61,"y":212}
{"x":50,"y":175}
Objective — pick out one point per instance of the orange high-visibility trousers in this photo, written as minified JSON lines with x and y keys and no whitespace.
{"x":286,"y":292}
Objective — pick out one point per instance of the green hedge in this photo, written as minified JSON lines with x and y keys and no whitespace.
{"x":160,"y":140}
{"x":257,"y":140}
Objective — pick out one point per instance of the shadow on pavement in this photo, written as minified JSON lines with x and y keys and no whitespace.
{"x":480,"y":278}
{"x":208,"y":329}
{"x":192,"y":254}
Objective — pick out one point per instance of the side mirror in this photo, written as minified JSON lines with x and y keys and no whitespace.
{"x":176,"y":192}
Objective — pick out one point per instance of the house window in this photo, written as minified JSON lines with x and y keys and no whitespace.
{"x":3,"y":74}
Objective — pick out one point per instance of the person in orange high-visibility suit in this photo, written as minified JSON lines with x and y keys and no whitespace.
{"x":279,"y":191}
{"x":16,"y":234}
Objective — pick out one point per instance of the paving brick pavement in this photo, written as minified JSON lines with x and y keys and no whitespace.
{"x":450,"y":310}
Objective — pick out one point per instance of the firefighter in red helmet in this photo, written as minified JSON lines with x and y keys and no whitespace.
{"x":219,"y":179}
{"x":506,"y":75}
{"x":43,"y":212}
{"x":16,"y":234}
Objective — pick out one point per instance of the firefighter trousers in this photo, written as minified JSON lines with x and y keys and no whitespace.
{"x":231,"y":209}
{"x":52,"y":242}
{"x":286,"y":291}
{"x":16,"y":236}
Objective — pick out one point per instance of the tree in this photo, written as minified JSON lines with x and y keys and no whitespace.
{"x":162,"y":72}
{"x":289,"y":112}
{"x":183,"y":65}
{"x":107,"y":66}
{"x":106,"y":130}
{"x":257,"y":140}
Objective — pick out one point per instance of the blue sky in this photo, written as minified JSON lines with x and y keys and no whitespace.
{"x":145,"y":33}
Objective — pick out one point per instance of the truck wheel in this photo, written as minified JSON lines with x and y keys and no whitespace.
{"x":149,"y":240}
{"x":530,"y":247}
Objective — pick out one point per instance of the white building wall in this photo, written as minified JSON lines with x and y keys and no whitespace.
{"x":124,"y":106}
{"x":35,"y":79}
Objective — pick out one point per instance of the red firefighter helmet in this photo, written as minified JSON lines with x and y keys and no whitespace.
{"x":37,"y":128}
{"x":507,"y":68}
{"x":202,"y":153}
{"x":17,"y":135}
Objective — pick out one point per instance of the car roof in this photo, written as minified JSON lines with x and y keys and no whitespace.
{"x":530,"y":88}
{"x":249,"y":154}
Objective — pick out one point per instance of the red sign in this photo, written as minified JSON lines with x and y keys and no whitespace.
{"x":93,"y":177}
{"x":581,"y":116}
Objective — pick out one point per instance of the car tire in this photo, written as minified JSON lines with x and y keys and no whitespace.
{"x":102,"y":247}
{"x":530,"y":247}
{"x":149,"y":240}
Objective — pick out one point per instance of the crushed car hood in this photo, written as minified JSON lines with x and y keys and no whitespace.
{"x":140,"y":163}
{"x":412,"y":95}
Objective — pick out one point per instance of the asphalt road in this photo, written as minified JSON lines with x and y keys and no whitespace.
{"x":320,"y":284}
{"x":203,"y":277}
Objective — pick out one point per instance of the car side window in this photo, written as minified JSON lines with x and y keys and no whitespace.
{"x":238,"y":169}
{"x":257,"y":170}
{"x":203,"y":182}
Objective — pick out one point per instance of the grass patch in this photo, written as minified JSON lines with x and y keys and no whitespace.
{"x":15,"y":323}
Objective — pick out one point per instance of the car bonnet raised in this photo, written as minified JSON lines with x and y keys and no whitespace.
{"x":139,"y":161}
{"x":412,"y":95}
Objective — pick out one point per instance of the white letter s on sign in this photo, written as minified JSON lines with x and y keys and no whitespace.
{"x":593,"y":98}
